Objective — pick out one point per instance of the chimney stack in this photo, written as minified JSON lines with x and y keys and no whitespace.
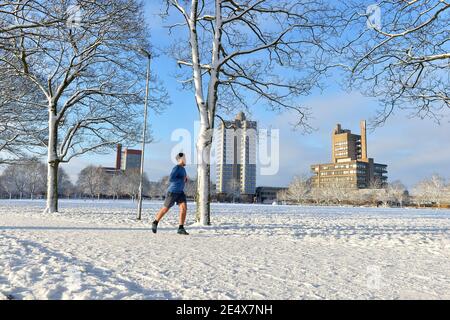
{"x":364,"y":141}
{"x":119,"y":157}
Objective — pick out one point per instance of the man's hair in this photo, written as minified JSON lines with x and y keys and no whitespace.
{"x":180,"y":156}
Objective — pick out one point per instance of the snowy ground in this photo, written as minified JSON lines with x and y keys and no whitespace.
{"x":96,"y":250}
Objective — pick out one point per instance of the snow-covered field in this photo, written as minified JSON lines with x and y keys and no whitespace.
{"x":96,"y":250}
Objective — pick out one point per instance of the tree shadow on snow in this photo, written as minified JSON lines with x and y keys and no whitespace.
{"x":298,"y":230}
{"x":336,"y":231}
{"x":107,"y":280}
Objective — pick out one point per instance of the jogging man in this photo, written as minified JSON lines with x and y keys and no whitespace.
{"x":175,"y":194}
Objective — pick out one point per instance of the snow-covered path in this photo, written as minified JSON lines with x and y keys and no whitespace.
{"x":98,"y":251}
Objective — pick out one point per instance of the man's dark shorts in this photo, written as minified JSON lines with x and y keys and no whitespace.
{"x":173,"y":198}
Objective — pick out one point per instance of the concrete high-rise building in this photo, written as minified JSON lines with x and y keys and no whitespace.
{"x":236,"y":159}
{"x":350,"y":167}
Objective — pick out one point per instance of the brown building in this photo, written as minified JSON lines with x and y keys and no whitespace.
{"x":126,"y":159}
{"x":350,"y":166}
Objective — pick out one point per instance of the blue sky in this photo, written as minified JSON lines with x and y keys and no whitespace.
{"x":413,"y":148}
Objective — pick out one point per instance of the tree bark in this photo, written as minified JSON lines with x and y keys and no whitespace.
{"x":53,"y":164}
{"x":207,"y":112}
{"x":203,"y":148}
{"x":52,"y":187}
{"x":203,"y":177}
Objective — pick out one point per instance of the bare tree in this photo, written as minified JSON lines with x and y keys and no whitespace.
{"x":8,"y":137}
{"x":9,"y":22}
{"x":282,"y":196}
{"x":233,"y":188}
{"x":357,"y":196}
{"x":86,"y":181}
{"x":154,"y":190}
{"x":15,"y":178}
{"x":299,"y":189}
{"x":115,"y":185}
{"x":316,"y":195}
{"x":339,"y":193}
{"x":397,"y":192}
{"x":101,"y":180}
{"x":90,"y":75}
{"x":234,"y":54}
{"x":419,"y":192}
{"x":323,"y":194}
{"x":131,"y":181}
{"x":93,"y":181}
{"x":164,"y":184}
{"x":7,"y":181}
{"x":436,"y":188}
{"x":20,"y":125}
{"x":36,"y":178}
{"x":430,"y":191}
{"x":447,"y":194}
{"x":191,"y":188}
{"x":401,"y":55}
{"x":65,"y":185}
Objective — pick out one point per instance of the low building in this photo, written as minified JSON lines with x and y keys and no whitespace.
{"x":268,"y":195}
{"x":350,"y":167}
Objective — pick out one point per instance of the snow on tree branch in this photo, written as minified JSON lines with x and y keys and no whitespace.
{"x":404,"y":61}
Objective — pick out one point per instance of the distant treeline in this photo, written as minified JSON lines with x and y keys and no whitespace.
{"x":431,"y":192}
{"x":28,"y":181}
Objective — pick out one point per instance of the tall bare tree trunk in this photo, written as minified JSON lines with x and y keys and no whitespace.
{"x":203,"y":174}
{"x":207,"y":110}
{"x":52,"y":187}
{"x":203,"y":142}
{"x":53,"y":164}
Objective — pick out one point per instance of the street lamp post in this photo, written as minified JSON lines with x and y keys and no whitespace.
{"x":144,"y":133}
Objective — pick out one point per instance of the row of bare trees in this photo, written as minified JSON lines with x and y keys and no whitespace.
{"x":432,"y":191}
{"x":28,"y":181}
{"x":96,"y":182}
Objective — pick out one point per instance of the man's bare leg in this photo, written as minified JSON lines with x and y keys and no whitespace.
{"x":158,"y":218}
{"x":183,"y":212}
{"x":161,"y":213}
